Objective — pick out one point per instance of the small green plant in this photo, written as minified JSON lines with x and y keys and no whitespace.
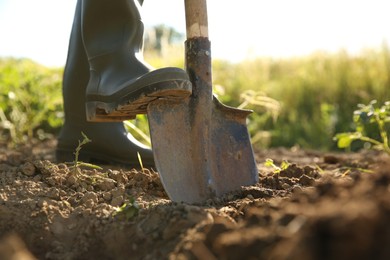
{"x":76,"y":162}
{"x":277,"y":169}
{"x":364,"y":117}
{"x":128,"y":210}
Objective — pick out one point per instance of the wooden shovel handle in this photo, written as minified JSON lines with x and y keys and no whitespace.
{"x":196,"y":18}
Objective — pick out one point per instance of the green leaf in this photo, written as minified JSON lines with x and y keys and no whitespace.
{"x":89,"y":165}
{"x":284,"y":165}
{"x":269,"y":162}
{"x":128,"y":210}
{"x":344,"y":140}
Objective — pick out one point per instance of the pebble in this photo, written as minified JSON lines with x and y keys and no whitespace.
{"x":89,"y":203}
{"x":118,"y":191}
{"x":62,"y":166}
{"x":250,"y":196}
{"x":37,"y":178}
{"x":306,"y":180}
{"x":90,"y":196}
{"x":107,"y":196}
{"x":106,"y":184}
{"x":27,"y":169}
{"x":118,"y":176}
{"x":117,"y":201}
{"x":297,"y":189}
{"x":71,"y":179}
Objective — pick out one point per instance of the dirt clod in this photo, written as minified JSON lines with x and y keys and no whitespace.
{"x":335,"y":209}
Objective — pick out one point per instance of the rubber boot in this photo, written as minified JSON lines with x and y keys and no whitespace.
{"x":110,"y":141}
{"x":121,"y":84}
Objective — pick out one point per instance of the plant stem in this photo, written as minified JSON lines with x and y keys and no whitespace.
{"x":383,"y":133}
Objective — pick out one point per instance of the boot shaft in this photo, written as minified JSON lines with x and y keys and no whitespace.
{"x":77,"y":69}
{"x":76,"y":73}
{"x":111,"y":26}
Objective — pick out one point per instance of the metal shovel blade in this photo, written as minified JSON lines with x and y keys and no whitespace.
{"x":233,"y":164}
{"x":201,"y":147}
{"x":189,"y":172}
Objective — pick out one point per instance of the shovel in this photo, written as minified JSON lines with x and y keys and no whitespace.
{"x":201,"y":147}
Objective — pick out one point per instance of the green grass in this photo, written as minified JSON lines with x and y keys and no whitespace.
{"x":30,"y":99}
{"x":301,"y":101}
{"x":317,"y":93}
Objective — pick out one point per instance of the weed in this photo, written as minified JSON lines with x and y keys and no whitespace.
{"x":75,"y":168}
{"x":348,"y":170}
{"x":277,"y":169}
{"x":76,"y":162}
{"x":140,"y":162}
{"x":128,"y":210}
{"x":364,"y":117}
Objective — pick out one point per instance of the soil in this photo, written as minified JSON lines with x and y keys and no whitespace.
{"x":323,"y":206}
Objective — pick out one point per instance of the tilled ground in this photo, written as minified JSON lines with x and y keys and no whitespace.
{"x":323,"y":206}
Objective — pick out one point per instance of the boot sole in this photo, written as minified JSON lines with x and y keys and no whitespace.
{"x":137,"y":102}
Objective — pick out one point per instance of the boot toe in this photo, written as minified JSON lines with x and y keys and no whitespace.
{"x":133,"y":97}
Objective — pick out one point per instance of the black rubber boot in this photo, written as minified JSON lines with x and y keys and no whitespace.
{"x":121,"y":85}
{"x":110,"y":141}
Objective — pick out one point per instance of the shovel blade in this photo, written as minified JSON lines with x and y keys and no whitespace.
{"x":233,"y":164}
{"x":173,"y":149}
{"x":189,"y":172}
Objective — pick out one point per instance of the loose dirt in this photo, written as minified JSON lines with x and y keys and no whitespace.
{"x":323,"y":206}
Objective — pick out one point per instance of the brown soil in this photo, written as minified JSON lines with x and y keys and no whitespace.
{"x":324,"y":206}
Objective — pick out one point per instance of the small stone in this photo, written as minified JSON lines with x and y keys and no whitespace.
{"x":89,"y":203}
{"x":107,"y":196}
{"x":27,"y":169}
{"x":117,"y":201}
{"x":250,"y":196}
{"x":118,"y":176}
{"x":296,"y":189}
{"x":118,"y":191}
{"x":62,"y":166}
{"x":80,"y":189}
{"x":306,"y":180}
{"x":90,"y":196}
{"x":71,"y":179}
{"x":45,"y":167}
{"x":37,"y":178}
{"x":331,"y":159}
{"x":106,"y":184}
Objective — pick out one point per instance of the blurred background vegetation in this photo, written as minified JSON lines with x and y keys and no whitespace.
{"x":302,"y":101}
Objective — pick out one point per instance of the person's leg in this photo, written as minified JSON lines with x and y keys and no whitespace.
{"x":121,"y":84}
{"x":110,"y":141}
